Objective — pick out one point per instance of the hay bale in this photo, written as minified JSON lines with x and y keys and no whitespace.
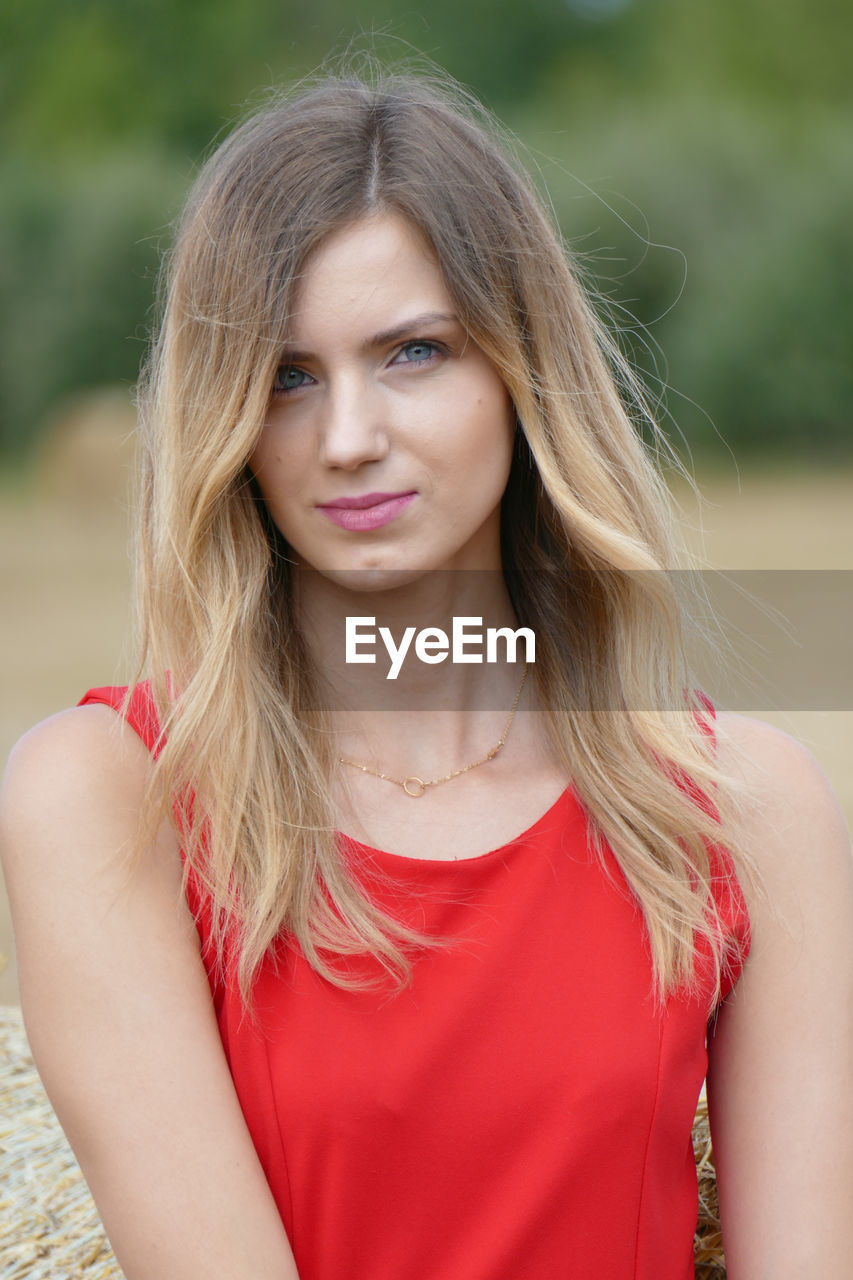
{"x":49,"y":1226}
{"x":708,"y":1243}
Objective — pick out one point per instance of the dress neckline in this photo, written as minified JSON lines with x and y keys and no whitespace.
{"x":566,"y":797}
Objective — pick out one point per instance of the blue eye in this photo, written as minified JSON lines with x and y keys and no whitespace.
{"x":289,"y":378}
{"x":418,"y":352}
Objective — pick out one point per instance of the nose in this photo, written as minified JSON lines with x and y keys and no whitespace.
{"x":353,"y":430}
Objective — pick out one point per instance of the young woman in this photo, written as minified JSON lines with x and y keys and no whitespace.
{"x":332,"y":974}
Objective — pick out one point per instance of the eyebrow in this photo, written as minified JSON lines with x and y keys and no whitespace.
{"x":387,"y":337}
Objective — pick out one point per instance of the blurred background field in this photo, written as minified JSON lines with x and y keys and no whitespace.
{"x":699,"y":160}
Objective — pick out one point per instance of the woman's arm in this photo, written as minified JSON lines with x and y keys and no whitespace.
{"x":119,"y":1013}
{"x":780,"y":1083}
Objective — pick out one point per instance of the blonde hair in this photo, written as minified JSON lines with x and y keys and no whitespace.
{"x":587,"y":535}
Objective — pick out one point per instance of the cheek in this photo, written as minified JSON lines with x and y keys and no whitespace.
{"x":263,"y":469}
{"x":481,"y":416}
{"x":262,"y":459}
{"x":270,"y":477}
{"x":276,"y":466}
{"x":495,"y":435}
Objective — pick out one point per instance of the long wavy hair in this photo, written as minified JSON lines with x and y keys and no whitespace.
{"x":587,"y":535}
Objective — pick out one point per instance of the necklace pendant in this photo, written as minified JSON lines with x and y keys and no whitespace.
{"x":415,"y":786}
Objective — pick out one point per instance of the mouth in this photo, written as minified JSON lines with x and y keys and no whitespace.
{"x":367,"y":510}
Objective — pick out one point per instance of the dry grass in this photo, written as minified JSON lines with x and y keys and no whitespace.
{"x":708,"y":1255}
{"x":49,"y":1227}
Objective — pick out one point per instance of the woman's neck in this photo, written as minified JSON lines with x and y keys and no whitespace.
{"x":402,"y":710}
{"x":387,"y":650}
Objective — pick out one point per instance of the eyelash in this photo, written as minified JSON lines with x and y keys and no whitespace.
{"x":437,"y":348}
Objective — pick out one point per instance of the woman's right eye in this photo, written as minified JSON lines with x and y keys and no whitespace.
{"x":289,"y":377}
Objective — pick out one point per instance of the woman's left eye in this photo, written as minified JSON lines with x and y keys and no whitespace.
{"x":418,"y":352}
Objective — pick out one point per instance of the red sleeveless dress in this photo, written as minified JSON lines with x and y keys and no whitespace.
{"x":522,"y":1110}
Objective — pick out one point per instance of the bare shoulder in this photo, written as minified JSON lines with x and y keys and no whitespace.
{"x":70,"y":809}
{"x":82,"y":766}
{"x":791,"y":816}
{"x":68,"y":744}
{"x":760,"y":752}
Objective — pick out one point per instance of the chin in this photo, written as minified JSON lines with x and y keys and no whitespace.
{"x":366,"y":580}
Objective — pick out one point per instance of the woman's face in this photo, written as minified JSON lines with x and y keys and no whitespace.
{"x":389,"y":436}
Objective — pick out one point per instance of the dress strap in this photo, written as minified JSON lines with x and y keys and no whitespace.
{"x":135,"y":705}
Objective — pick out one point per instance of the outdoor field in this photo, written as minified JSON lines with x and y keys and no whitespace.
{"x":64,"y":569}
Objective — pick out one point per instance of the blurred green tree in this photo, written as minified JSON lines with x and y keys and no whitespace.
{"x":722,"y":131}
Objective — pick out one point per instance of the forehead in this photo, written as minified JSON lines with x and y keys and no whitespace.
{"x":369,"y":274}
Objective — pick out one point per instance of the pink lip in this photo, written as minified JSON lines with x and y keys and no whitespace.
{"x":367,"y":511}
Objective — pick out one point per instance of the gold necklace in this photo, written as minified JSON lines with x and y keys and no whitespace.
{"x":414,"y":786}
